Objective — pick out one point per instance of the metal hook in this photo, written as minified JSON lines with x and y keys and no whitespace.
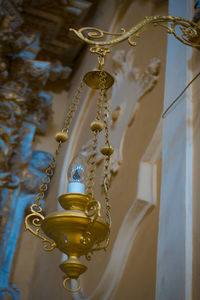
{"x":71,"y":290}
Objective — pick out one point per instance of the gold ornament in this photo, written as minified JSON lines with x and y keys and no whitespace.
{"x":61,"y":137}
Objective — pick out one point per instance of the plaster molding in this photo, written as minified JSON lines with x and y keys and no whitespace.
{"x":24,"y":112}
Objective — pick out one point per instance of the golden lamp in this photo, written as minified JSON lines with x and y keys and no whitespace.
{"x":79,"y":229}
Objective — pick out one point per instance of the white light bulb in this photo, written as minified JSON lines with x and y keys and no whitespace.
{"x":77,"y":175}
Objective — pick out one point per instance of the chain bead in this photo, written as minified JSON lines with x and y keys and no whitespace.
{"x":107,"y":150}
{"x":61,"y":137}
{"x":97,"y":125}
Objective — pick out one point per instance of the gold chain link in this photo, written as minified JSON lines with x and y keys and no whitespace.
{"x":106,"y":180}
{"x":92,"y":166}
{"x":50,"y":169}
{"x":35,"y":217}
{"x":92,"y":159}
{"x":73,"y":107}
{"x":47,"y":178}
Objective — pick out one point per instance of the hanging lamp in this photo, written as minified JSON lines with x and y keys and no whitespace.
{"x":79,"y":229}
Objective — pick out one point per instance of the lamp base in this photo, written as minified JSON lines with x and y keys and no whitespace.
{"x":75,"y":232}
{"x":72,"y":267}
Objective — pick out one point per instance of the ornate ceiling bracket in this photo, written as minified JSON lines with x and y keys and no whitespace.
{"x":184,"y":30}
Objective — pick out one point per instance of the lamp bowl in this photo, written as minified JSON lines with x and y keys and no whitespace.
{"x":68,"y":229}
{"x":74,"y":231}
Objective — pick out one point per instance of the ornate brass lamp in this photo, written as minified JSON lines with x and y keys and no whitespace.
{"x":79,"y":229}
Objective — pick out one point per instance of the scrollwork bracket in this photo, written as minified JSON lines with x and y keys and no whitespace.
{"x":33,"y":224}
{"x":188,"y":33}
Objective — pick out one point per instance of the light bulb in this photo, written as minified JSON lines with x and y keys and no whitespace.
{"x":77,"y":175}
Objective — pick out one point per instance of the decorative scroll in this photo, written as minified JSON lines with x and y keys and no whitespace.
{"x":188,"y":31}
{"x":92,"y":211}
{"x":33,"y":224}
{"x":101,"y":247}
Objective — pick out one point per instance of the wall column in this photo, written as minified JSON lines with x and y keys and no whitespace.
{"x":174,"y":257}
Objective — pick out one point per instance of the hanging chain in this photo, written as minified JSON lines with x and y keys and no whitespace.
{"x":47,"y":178}
{"x":73,"y":107}
{"x":106,"y":177}
{"x":94,"y":206}
{"x":92,"y":166}
{"x":50,"y":169}
{"x":106,"y":151}
{"x":92,"y":159}
{"x":33,"y":219}
{"x":102,"y":100}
